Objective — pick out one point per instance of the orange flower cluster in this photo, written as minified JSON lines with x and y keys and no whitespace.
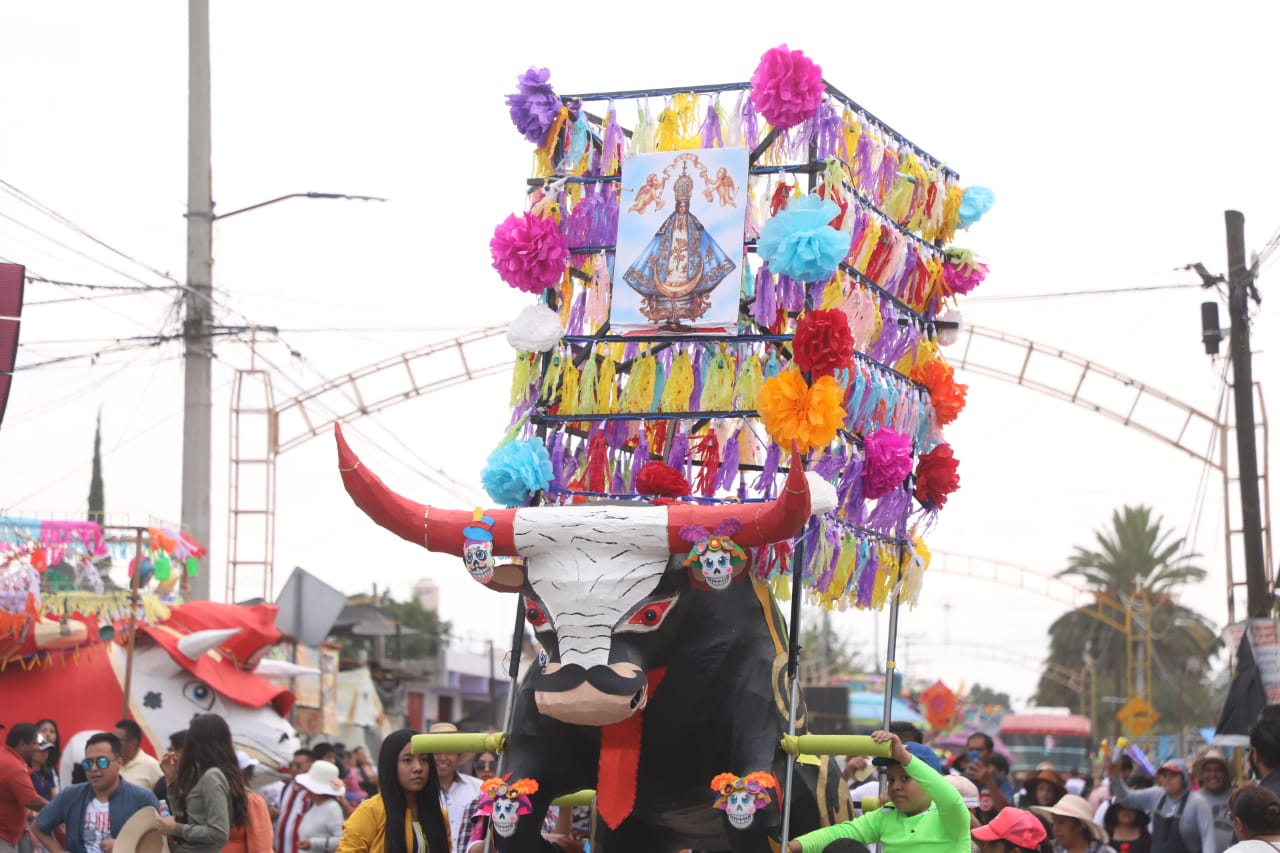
{"x":947,"y":394}
{"x":793,"y":410}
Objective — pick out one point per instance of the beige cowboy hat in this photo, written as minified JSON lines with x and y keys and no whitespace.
{"x":1076,"y":807}
{"x":140,"y":835}
{"x":322,"y":778}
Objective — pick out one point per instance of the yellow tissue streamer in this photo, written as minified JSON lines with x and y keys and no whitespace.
{"x":678,"y":124}
{"x":866,"y":245}
{"x":544,"y":155}
{"x":639,"y":394}
{"x":586,"y":386}
{"x":833,"y":293}
{"x":520,"y":378}
{"x":717,"y":390}
{"x":750,"y":378}
{"x":913,"y":574}
{"x":951,"y":213}
{"x":852,"y":135}
{"x":675,"y":396}
{"x":569,"y":388}
{"x":607,"y":387}
{"x":551,"y":379}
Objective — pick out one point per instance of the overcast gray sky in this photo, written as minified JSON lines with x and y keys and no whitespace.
{"x":1114,"y":136}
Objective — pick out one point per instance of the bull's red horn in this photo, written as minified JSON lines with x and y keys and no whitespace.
{"x":762,"y":523}
{"x":434,"y":529}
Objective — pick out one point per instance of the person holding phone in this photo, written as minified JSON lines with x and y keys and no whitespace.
{"x":990,"y":772}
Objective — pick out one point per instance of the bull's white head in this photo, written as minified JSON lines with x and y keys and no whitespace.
{"x":166,"y":696}
{"x":592,"y":579}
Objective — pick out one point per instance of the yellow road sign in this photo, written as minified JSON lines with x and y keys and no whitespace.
{"x":1137,"y":716}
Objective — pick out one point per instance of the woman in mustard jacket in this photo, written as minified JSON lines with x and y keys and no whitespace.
{"x":408,"y":797}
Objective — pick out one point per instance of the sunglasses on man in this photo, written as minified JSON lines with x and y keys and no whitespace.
{"x":102,"y":763}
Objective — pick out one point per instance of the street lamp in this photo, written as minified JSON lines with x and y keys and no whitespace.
{"x":197,"y":427}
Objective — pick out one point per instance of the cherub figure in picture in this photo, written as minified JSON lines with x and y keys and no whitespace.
{"x":649,"y":193}
{"x":722,"y":189}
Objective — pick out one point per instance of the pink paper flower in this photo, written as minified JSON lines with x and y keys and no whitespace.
{"x":787,"y":87}
{"x":529,"y":252}
{"x":888,"y":462}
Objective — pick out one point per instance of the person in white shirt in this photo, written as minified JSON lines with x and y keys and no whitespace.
{"x":457,"y":790}
{"x":321,"y":827}
{"x":139,"y":768}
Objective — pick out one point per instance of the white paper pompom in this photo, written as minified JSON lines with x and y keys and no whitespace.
{"x":951,"y":334}
{"x":822,"y":495}
{"x":535,"y":329}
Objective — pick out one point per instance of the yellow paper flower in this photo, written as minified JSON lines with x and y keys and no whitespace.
{"x":792,"y":410}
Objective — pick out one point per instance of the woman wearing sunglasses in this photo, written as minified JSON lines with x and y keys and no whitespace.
{"x":208,"y":795}
{"x":485,"y":766}
{"x":405,"y":816}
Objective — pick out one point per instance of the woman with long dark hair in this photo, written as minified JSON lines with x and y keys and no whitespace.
{"x":405,"y":816}
{"x":207,"y":796}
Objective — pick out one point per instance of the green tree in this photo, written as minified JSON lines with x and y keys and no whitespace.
{"x":97,"y":500}
{"x":1136,"y":567}
{"x":980,"y":695}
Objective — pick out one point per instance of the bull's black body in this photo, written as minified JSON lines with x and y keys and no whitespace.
{"x":721,"y":707}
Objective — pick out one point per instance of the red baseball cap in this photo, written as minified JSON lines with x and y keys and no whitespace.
{"x":1020,"y":828}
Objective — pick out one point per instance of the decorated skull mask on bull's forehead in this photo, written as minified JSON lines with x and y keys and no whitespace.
{"x":714,"y":552}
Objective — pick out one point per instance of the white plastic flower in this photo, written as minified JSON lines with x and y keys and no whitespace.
{"x":535,"y":329}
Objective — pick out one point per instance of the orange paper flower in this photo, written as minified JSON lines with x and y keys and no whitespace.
{"x":947,"y":394}
{"x":792,"y":410}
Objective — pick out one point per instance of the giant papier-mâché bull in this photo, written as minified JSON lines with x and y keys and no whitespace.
{"x":654,"y":682}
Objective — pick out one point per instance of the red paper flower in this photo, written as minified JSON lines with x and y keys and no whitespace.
{"x":659,"y":478}
{"x":946,"y":394}
{"x":787,"y":87}
{"x":529,"y":252}
{"x":936,"y":476}
{"x":823,"y":343}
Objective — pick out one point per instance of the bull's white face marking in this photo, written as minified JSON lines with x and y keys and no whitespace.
{"x":505,"y":815}
{"x":590,"y":567}
{"x":741,"y":809}
{"x":717,"y":568}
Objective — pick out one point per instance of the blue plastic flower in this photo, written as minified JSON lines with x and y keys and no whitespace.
{"x":975,"y":202}
{"x":800,"y":243}
{"x":516,"y":470}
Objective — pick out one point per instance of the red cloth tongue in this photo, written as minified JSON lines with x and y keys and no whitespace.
{"x":620,"y":761}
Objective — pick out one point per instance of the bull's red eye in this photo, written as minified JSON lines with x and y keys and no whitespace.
{"x":651,"y":615}
{"x":533,"y":613}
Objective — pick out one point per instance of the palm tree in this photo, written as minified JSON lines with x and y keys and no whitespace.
{"x":1136,"y":568}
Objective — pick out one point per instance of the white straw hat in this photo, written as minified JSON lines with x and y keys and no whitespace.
{"x":322,"y":778}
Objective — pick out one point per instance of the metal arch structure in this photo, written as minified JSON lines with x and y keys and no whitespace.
{"x":1125,"y":400}
{"x":260,"y":430}
{"x":448,"y":363}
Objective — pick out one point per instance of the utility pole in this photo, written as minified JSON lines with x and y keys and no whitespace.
{"x":1240,"y":285}
{"x":197,"y":423}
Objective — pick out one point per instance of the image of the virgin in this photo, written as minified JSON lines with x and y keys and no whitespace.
{"x":681,"y":264}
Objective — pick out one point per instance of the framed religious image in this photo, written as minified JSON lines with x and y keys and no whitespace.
{"x":680,"y":259}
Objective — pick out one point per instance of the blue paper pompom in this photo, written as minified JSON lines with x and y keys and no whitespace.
{"x":516,"y":470}
{"x":800,"y":243}
{"x":975,"y":202}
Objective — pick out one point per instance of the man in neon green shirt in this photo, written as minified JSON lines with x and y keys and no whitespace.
{"x":924,"y":813}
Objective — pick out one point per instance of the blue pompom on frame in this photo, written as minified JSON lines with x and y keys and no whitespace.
{"x":974,"y":203}
{"x":800,"y":243}
{"x":516,"y":470}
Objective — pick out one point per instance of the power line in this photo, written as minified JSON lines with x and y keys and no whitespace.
{"x":1102,"y":292}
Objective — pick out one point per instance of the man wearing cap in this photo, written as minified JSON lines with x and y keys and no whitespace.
{"x":924,"y":812}
{"x":294,"y":804}
{"x":17,"y":794}
{"x":93,"y":812}
{"x":1209,"y":803}
{"x":1015,"y":827}
{"x":1175,"y":828}
{"x":139,"y":768}
{"x":457,"y":790}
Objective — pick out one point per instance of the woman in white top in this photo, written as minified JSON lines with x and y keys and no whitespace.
{"x":1255,"y":815}
{"x":321,"y":826}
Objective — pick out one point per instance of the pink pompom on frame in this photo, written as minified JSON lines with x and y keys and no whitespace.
{"x":787,"y":87}
{"x":888,"y":455}
{"x":529,"y":252}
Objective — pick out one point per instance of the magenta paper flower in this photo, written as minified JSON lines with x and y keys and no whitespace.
{"x":961,"y":271}
{"x":535,"y":107}
{"x":888,"y":462}
{"x":529,"y":252}
{"x":787,"y":87}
